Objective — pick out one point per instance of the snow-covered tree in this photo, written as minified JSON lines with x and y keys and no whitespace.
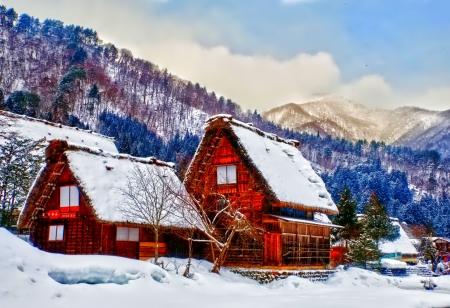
{"x":346,"y":218}
{"x":362,"y":249}
{"x":376,"y":222}
{"x":19,"y":165}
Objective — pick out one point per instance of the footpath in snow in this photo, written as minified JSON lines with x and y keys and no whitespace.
{"x":33,"y":278}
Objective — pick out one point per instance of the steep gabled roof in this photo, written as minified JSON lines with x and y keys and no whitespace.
{"x":403,"y":244}
{"x":288,"y":177}
{"x":99,"y":176}
{"x":37,"y":129}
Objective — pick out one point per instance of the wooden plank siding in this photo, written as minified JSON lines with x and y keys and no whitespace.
{"x":147,"y":250}
{"x":244,"y":193}
{"x":304,"y":244}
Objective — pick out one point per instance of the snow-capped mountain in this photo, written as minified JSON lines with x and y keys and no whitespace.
{"x":343,"y":118}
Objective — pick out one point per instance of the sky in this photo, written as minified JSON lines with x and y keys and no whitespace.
{"x":266,"y":53}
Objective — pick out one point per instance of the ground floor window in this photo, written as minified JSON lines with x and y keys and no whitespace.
{"x":56,"y":233}
{"x":127,"y":234}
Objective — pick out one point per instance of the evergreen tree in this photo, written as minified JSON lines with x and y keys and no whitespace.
{"x":22,"y":102}
{"x":79,"y":56}
{"x":94,"y":98}
{"x":376,"y":222}
{"x":430,"y":252}
{"x":362,"y":249}
{"x":19,"y":164}
{"x":346,"y":218}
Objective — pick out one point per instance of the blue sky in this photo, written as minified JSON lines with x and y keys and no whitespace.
{"x":265,"y":53}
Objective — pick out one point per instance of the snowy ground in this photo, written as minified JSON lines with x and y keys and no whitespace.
{"x":26,"y":281}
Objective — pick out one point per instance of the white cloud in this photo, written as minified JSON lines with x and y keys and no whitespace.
{"x":253,"y":81}
{"x":433,"y":98}
{"x":371,"y":90}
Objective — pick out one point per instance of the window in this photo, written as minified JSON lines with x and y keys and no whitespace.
{"x":127,"y":234}
{"x":226,"y":175}
{"x":285,"y":211}
{"x":56,"y":233}
{"x":69,"y":198}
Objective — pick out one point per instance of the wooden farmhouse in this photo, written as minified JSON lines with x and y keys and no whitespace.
{"x":72,"y":207}
{"x":273,"y":185}
{"x":402,"y":248}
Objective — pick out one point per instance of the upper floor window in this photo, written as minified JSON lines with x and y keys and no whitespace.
{"x":226,"y":175}
{"x":285,"y":211}
{"x":69,"y":198}
{"x":127,"y":234}
{"x":56,"y":233}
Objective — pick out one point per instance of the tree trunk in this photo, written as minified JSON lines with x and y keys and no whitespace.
{"x":156,"y":246}
{"x":221,"y":257}
{"x":188,"y":265}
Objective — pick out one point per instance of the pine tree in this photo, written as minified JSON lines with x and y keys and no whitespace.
{"x":376,"y":222}
{"x":362,"y":249}
{"x":19,"y":164}
{"x":346,"y":218}
{"x":430,"y":252}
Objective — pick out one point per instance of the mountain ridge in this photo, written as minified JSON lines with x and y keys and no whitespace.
{"x":343,"y":118}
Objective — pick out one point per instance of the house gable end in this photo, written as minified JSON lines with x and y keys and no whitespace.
{"x":67,"y":180}
{"x":219,"y":149}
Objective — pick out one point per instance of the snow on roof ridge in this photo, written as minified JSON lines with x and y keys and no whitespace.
{"x":229,"y":118}
{"x":99,"y":152}
{"x":31,"y":119}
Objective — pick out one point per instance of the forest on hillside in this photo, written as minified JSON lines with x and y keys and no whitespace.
{"x":65,"y":73}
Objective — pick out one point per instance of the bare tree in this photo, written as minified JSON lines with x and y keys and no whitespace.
{"x":218,"y":219}
{"x":149,"y":198}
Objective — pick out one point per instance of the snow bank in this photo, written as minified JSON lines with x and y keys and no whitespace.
{"x":29,"y":277}
{"x":391,"y":263}
{"x":293,"y":283}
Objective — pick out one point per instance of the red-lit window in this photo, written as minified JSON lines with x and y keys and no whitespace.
{"x":226,"y":175}
{"x":56,"y":233}
{"x":127,"y":234}
{"x":69,"y":198}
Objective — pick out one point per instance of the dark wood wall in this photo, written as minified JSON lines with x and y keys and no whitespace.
{"x":243,"y":194}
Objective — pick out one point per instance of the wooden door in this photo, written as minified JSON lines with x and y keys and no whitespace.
{"x":272,"y":249}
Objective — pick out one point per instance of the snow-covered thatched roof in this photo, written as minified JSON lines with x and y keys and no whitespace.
{"x":100,"y":177}
{"x":287,"y":174}
{"x":37,"y":129}
{"x":402,"y":244}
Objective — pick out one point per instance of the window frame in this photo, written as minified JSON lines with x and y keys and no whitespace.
{"x":122,"y":229}
{"x":58,"y":233}
{"x":69,"y":203}
{"x":228,"y":180}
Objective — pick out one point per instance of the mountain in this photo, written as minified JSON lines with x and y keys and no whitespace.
{"x":339,"y":117}
{"x":64,"y":73}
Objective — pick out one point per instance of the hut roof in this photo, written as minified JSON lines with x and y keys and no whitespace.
{"x":288,"y":176}
{"x":402,"y":244}
{"x":37,"y":129}
{"x":99,"y":176}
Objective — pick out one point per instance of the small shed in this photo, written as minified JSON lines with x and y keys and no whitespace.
{"x":442,"y":245}
{"x":72,"y":207}
{"x":273,"y":185}
{"x":402,"y":248}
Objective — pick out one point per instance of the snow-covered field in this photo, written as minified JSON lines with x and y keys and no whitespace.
{"x":28,"y":278}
